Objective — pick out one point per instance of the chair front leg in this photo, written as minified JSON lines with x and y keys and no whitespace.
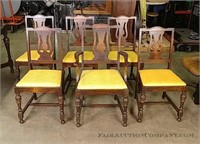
{"x":140,"y":107}
{"x":182,"y":101}
{"x":18,"y":99}
{"x":125,"y":105}
{"x":61,"y":105}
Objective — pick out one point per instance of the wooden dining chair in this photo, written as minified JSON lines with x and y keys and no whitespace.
{"x":41,"y":79}
{"x":127,"y":46}
{"x":75,"y":25}
{"x":156,"y":75}
{"x":102,"y":81}
{"x":32,"y":22}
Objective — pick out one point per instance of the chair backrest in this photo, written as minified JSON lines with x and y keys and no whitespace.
{"x":123,"y":21}
{"x":38,"y":21}
{"x":101,"y":45}
{"x":156,"y":48}
{"x":48,"y":40}
{"x":76,"y":27}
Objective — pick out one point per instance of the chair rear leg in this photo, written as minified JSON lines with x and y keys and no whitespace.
{"x":131,"y":72}
{"x":20,"y":112}
{"x":17,"y":70}
{"x":69,"y":78}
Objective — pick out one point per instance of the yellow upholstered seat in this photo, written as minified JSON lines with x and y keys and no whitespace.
{"x":132,"y":56}
{"x":24,"y":56}
{"x":101,"y":79}
{"x":41,"y":78}
{"x":70,"y":58}
{"x":160,"y":77}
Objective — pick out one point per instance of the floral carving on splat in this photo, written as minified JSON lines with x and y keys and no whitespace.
{"x":155,"y":44}
{"x":101,"y":43}
{"x":45,"y":49}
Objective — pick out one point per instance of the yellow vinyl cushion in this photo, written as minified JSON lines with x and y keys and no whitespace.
{"x":24,"y":56}
{"x":70,"y":57}
{"x":41,"y":78}
{"x":101,"y":79}
{"x":132,"y":56}
{"x":160,"y":77}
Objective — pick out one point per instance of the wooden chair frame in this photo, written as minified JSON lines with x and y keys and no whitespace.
{"x":155,"y":51}
{"x":45,"y":49}
{"x":123,"y":21}
{"x":101,"y":51}
{"x":77,"y":25}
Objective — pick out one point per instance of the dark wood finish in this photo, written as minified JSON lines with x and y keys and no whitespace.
{"x":34,"y":22}
{"x":101,"y":49}
{"x":46,"y":44}
{"x":126,"y":8}
{"x":7,"y":46}
{"x":78,"y":25}
{"x":123,"y":22}
{"x":155,"y":54}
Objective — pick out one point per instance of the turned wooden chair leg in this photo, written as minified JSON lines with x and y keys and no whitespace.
{"x":17,"y":70}
{"x":182,"y":101}
{"x":78,"y":111}
{"x":125,"y":105}
{"x":61,"y":105}
{"x":18,"y":99}
{"x":140,"y":107}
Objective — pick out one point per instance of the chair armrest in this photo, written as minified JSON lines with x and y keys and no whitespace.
{"x":77,"y":55}
{"x":125,"y":55}
{"x":77,"y":64}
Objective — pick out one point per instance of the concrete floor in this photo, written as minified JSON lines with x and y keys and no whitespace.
{"x":99,"y":125}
